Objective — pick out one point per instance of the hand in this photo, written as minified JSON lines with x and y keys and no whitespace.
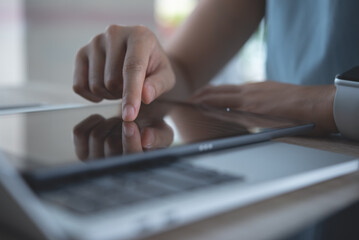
{"x":125,"y":62}
{"x":307,"y":103}
{"x":97,"y":137}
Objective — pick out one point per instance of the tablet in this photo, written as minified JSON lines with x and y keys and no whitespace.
{"x":56,"y":142}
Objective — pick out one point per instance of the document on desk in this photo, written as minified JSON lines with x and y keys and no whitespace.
{"x":33,"y":107}
{"x":17,"y":106}
{"x":10,"y":102}
{"x":14,"y":101}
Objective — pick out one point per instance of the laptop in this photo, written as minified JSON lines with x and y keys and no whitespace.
{"x":83,"y":173}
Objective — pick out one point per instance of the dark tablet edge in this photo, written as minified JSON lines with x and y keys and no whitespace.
{"x":59,"y":172}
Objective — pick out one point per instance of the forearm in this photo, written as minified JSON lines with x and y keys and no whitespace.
{"x":304,"y":103}
{"x":213,"y":34}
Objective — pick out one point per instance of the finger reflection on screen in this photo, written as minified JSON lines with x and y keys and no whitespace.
{"x":97,"y":138}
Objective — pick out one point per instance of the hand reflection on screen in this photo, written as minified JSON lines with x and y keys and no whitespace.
{"x":96,"y":137}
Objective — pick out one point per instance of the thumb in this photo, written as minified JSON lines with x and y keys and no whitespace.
{"x":157,"y":83}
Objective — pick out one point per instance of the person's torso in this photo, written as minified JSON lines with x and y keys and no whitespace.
{"x":310,"y":41}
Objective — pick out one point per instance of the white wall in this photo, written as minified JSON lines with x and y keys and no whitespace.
{"x":12,"y":54}
{"x":57,"y":29}
{"x":39,"y":38}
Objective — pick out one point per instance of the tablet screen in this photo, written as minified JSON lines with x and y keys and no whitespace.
{"x":351,"y":75}
{"x":96,"y":132}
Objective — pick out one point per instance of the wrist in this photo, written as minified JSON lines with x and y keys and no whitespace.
{"x":183,"y":87}
{"x":322,"y":110}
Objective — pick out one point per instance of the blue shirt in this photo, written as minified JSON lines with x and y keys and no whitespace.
{"x":310,"y":41}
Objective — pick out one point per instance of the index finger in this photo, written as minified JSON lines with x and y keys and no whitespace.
{"x":131,"y":138}
{"x":134,"y":73}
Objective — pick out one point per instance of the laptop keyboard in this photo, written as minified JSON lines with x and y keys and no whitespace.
{"x":133,"y":187}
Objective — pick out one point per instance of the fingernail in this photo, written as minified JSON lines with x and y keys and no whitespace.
{"x":151,"y":92}
{"x":148,"y":141}
{"x":128,"y":113}
{"x":128,"y":130}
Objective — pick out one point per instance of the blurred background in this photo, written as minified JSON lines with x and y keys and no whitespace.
{"x":39,"y":38}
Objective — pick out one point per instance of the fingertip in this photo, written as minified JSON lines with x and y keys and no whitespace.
{"x":129,"y":113}
{"x":77,"y":89}
{"x":114,"y":86}
{"x":91,"y":97}
{"x":148,"y":138}
{"x":128,"y":129}
{"x":84,"y":92}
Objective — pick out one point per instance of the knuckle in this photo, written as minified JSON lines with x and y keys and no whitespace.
{"x":96,"y":41}
{"x":141,"y":34}
{"x":113,"y":84}
{"x":133,"y":65}
{"x":96,"y":88}
{"x":96,"y":133}
{"x":81,"y":53}
{"x":112,"y":29}
{"x":140,"y":29}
